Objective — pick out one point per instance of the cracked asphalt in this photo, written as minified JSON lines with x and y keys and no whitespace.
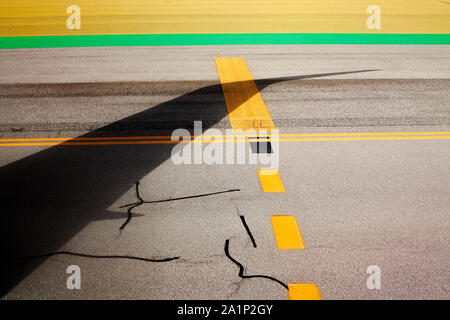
{"x":357,"y":203}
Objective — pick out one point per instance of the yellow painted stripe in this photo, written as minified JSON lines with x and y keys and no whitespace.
{"x":270,"y":180}
{"x":304,"y":291}
{"x":362,"y":134}
{"x":18,"y":143}
{"x":48,"y":17}
{"x":102,"y":143}
{"x":88,"y":138}
{"x":208,"y":137}
{"x":367,"y":138}
{"x":246,"y":107}
{"x":286,"y":231}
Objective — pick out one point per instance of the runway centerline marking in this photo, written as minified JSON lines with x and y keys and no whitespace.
{"x":287,"y":233}
{"x":246,"y":107}
{"x":270,"y":180}
{"x":304,"y":291}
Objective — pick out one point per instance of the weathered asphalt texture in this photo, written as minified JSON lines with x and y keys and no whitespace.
{"x":357,"y":203}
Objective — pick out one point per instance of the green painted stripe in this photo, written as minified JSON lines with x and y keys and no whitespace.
{"x":219,"y":39}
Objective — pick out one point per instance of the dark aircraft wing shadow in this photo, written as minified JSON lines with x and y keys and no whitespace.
{"x":49,"y":196}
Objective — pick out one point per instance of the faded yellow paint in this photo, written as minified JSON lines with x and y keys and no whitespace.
{"x":48,"y":17}
{"x":270,"y":180}
{"x":286,"y":231}
{"x":304,"y":291}
{"x":246,"y":107}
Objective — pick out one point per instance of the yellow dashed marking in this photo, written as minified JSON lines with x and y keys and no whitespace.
{"x":246,"y":107}
{"x":286,"y":231}
{"x":270,"y":180}
{"x":304,"y":291}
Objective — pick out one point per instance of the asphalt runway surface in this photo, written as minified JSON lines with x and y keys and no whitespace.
{"x":357,"y":202}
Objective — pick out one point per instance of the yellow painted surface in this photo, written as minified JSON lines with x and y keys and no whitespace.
{"x":270,"y":180}
{"x":48,"y":17}
{"x":286,"y":231}
{"x":304,"y":291}
{"x":246,"y":107}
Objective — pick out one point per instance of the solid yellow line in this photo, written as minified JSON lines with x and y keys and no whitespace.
{"x":304,"y":291}
{"x":231,"y":136}
{"x":88,"y":138}
{"x":85,"y":143}
{"x":367,"y":138}
{"x":286,"y":232}
{"x":270,"y":180}
{"x":246,"y":107}
{"x":217,"y":141}
{"x":363,"y":134}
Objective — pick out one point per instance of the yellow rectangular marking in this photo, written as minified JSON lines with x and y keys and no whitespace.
{"x":286,"y":231}
{"x":270,"y":180}
{"x":246,"y":107}
{"x":303,"y":291}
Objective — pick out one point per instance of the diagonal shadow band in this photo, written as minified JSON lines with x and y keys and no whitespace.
{"x":204,"y":103}
{"x":51,"y":195}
